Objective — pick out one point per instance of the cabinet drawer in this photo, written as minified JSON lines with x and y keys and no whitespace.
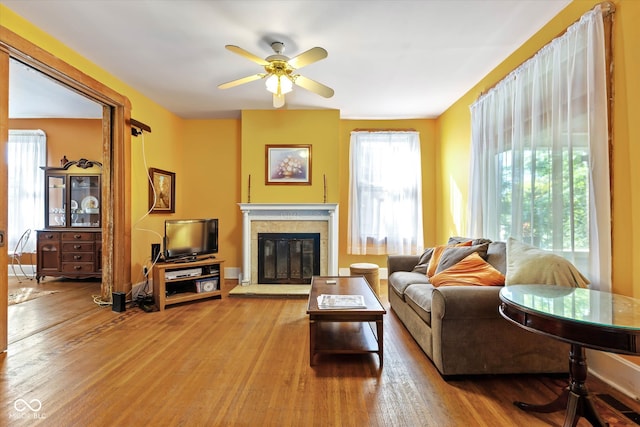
{"x":78,"y":236}
{"x":77,"y":257}
{"x":77,"y":267}
{"x":77,"y":247}
{"x":47,"y":236}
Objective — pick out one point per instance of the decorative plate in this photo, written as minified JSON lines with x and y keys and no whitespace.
{"x":74,"y":204}
{"x":90,"y":202}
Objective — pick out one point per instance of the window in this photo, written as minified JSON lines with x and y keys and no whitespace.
{"x":26,"y":152}
{"x":540,"y":164}
{"x":385,"y":193}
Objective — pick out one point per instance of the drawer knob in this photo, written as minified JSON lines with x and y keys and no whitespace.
{"x":77,"y":247}
{"x":77,"y":257}
{"x":77,"y":236}
{"x":77,"y":267}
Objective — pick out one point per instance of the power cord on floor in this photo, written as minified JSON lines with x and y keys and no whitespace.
{"x":100,"y":302}
{"x":145,"y":300}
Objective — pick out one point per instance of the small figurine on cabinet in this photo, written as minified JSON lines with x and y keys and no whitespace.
{"x":64,"y":160}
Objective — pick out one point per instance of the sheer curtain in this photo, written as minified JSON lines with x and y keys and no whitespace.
{"x":26,"y":152}
{"x":540,"y":156}
{"x":385,"y":193}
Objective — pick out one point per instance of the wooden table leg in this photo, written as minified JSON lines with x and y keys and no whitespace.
{"x":312,"y":340}
{"x":556,"y":405}
{"x":379,"y":327}
{"x":575,"y":399}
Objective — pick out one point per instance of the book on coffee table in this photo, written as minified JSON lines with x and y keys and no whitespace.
{"x":329,"y":301}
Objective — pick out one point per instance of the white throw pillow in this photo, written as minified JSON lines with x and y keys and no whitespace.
{"x":527,"y":264}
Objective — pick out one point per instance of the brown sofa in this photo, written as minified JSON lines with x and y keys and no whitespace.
{"x":460,"y":328}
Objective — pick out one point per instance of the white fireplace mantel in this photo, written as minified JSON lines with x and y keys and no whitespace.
{"x":289,"y":212}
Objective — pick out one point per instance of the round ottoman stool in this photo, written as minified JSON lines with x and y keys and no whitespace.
{"x":370,"y":273}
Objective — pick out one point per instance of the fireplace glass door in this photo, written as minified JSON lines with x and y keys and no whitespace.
{"x":288,"y":258}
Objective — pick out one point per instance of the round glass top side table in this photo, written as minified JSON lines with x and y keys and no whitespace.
{"x":585,"y":318}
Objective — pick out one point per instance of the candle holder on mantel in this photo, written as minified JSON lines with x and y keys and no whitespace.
{"x":249,"y":190}
{"x":324,"y":178}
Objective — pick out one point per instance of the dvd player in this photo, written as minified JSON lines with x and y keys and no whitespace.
{"x":178,"y":274}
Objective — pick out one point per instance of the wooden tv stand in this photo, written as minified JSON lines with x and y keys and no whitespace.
{"x":184,"y":286}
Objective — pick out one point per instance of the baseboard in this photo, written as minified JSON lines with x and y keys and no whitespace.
{"x":30,"y":270}
{"x":616,"y":371}
{"x":231,"y":272}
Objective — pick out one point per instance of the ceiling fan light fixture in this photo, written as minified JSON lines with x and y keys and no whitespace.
{"x":286,"y":85}
{"x":278,"y":100}
{"x":278,"y":84}
{"x":279,"y":72}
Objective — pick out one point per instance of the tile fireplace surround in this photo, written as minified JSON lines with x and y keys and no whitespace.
{"x":288,"y":217}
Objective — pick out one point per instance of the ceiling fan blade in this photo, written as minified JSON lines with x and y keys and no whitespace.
{"x":241,"y":81}
{"x":250,"y":56}
{"x":278,"y":100}
{"x":309,"y":57}
{"x":313,"y":86}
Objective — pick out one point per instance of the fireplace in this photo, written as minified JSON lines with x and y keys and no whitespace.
{"x":288,"y":258}
{"x":317,"y":218}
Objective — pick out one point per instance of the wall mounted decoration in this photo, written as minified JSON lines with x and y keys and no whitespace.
{"x":288,"y":165}
{"x":162,"y":184}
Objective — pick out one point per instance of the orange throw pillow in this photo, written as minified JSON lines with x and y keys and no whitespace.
{"x":437,"y":253}
{"x":472,"y":270}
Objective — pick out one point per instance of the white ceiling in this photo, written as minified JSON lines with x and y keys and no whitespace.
{"x":387,"y":59}
{"x":34,"y":95}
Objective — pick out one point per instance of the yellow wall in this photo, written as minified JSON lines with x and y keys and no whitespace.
{"x":428,"y":144}
{"x":455,"y":136}
{"x":210,"y":182}
{"x":74,"y":138}
{"x":223,"y":153}
{"x":163,"y":144}
{"x":317,"y":128}
{"x":161,"y":149}
{"x":237,"y":149}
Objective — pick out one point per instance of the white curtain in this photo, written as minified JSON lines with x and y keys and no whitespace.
{"x":540,"y":156}
{"x":385,"y":193}
{"x":26,"y":152}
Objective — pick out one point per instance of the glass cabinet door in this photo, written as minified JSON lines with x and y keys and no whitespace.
{"x":56,"y":191}
{"x":84,"y":200}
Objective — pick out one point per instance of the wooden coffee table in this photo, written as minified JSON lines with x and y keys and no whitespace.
{"x":345,"y":330}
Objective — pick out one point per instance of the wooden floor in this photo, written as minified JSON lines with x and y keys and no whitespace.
{"x":235,"y":362}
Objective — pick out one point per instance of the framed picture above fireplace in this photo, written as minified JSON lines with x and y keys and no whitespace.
{"x":288,"y":164}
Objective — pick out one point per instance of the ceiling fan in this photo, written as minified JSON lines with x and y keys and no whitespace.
{"x":280,"y":72}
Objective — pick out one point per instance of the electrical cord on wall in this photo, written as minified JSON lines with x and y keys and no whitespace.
{"x":144,"y":274}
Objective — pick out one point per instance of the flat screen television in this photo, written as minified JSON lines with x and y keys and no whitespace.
{"x":190,"y":238}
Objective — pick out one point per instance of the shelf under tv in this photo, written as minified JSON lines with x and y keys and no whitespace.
{"x":184,"y":289}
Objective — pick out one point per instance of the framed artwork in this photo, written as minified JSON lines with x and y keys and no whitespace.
{"x":288,"y":164}
{"x":164,"y":184}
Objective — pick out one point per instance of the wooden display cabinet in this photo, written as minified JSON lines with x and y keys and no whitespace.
{"x":173,"y":284}
{"x":70,"y":245}
{"x":73,"y":195}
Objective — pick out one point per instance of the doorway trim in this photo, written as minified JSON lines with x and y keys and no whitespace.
{"x":116,"y":225}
